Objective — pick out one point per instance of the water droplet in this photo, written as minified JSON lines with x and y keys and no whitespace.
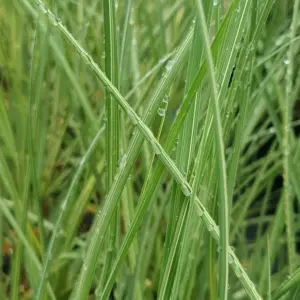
{"x":230,"y":259}
{"x":55,"y":21}
{"x":103,"y":54}
{"x":252,"y":285}
{"x":279,"y":41}
{"x":216,"y":2}
{"x":169,"y":65}
{"x":81,"y":162}
{"x":61,"y":234}
{"x":123,"y":161}
{"x":63,"y":205}
{"x":162,"y":60}
{"x":196,"y":235}
{"x":161,"y":112}
{"x":191,"y":256}
{"x":200,"y":213}
{"x":133,"y":117}
{"x":272,"y":130}
{"x":156,"y":148}
{"x":286,"y":61}
{"x":186,"y":190}
{"x":42,"y":7}
{"x":166,"y":99}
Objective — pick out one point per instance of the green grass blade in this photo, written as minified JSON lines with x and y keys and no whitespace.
{"x":286,"y":117}
{"x":223,"y":194}
{"x":113,"y":121}
{"x":66,"y":204}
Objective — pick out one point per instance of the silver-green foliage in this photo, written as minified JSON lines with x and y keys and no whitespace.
{"x":188,"y":94}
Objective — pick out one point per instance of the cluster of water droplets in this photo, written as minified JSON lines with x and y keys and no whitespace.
{"x":42,"y":7}
{"x":54,"y":19}
{"x":162,"y":110}
{"x":236,"y":267}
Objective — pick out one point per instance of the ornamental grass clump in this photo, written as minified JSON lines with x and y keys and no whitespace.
{"x":149,"y":150}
